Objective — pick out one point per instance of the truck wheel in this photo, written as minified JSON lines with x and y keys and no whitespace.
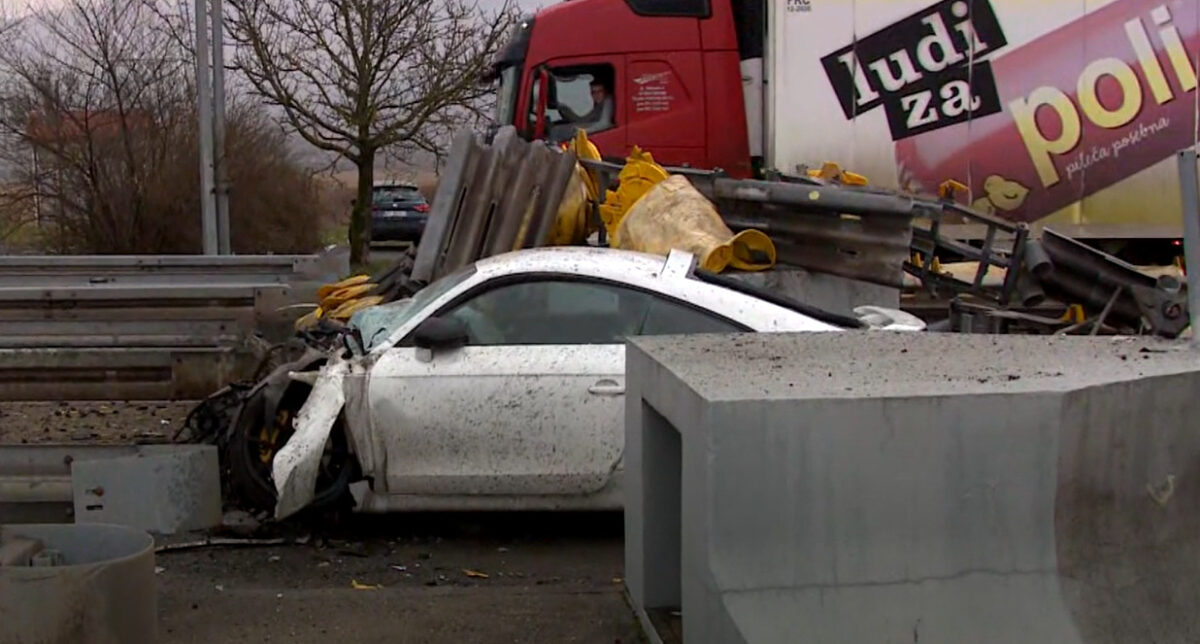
{"x":257,"y":439}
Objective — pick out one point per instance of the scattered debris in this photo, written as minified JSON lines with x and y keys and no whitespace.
{"x":240,"y":523}
{"x":475,"y":573}
{"x":274,"y":558}
{"x":357,"y":549}
{"x":158,"y":570}
{"x":220,"y":588}
{"x":217,"y":541}
{"x":357,"y":586}
{"x":400,"y":568}
{"x":1160,"y":494}
{"x":323,"y":564}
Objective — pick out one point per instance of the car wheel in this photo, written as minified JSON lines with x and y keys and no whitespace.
{"x":257,"y":439}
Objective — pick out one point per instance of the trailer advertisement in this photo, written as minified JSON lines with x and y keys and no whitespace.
{"x":1047,"y":112}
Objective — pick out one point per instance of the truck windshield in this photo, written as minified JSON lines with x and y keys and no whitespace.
{"x":506,"y":95}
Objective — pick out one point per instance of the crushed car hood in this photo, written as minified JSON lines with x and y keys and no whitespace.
{"x":295,"y":467}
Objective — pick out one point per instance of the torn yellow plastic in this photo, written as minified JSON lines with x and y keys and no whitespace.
{"x":350,"y":307}
{"x":345,"y":294}
{"x":950,"y":189}
{"x":573,"y":223}
{"x":638,"y":177}
{"x":831,"y":171}
{"x":1073,"y":315}
{"x":354,"y":280}
{"x":674,"y":215}
{"x":340,"y":300}
{"x":308,"y":320}
{"x":585,"y":149}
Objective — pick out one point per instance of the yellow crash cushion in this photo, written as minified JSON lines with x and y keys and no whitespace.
{"x":350,"y":307}
{"x":639,"y":175}
{"x":354,"y":280}
{"x":345,"y":294}
{"x":308,"y":320}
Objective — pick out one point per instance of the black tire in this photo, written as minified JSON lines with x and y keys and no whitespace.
{"x":250,"y":456}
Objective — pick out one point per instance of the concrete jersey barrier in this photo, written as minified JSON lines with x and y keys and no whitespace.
{"x":907,"y":487}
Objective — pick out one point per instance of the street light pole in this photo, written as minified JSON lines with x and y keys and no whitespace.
{"x":220,"y":168}
{"x":208,"y":214}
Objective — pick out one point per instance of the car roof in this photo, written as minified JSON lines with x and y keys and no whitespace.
{"x":618,"y":264}
{"x":639,"y":269}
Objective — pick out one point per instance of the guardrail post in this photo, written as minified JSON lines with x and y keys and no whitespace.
{"x":1191,"y":233}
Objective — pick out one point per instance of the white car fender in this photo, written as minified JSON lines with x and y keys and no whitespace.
{"x":295,"y":466}
{"x":889,"y":319}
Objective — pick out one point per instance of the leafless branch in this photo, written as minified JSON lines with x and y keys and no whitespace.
{"x":98,"y":123}
{"x":357,"y":77}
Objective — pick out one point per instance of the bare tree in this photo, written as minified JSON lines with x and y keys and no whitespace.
{"x":89,"y":90}
{"x":98,"y":119}
{"x":355,"y":77}
{"x":8,"y":16}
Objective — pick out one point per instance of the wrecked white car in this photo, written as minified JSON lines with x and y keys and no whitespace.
{"x":499,"y":386}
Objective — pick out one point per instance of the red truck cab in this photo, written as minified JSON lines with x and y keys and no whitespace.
{"x":663,"y":75}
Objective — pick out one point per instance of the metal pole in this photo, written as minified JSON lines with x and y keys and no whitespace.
{"x":37,"y":190}
{"x":220,"y":171}
{"x":1191,"y":235}
{"x":208,"y":214}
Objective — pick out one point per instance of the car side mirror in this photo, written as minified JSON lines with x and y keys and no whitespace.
{"x":440,"y":333}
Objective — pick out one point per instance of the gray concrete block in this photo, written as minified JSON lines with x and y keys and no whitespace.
{"x":162,"y":489}
{"x":915,"y":487}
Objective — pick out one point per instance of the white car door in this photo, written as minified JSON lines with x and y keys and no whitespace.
{"x":533,"y":404}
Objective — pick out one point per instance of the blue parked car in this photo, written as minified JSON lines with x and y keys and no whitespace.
{"x":398,"y":213}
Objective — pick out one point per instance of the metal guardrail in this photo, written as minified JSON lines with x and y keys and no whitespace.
{"x":144,"y":327}
{"x":35,"y":480}
{"x":148,"y":270}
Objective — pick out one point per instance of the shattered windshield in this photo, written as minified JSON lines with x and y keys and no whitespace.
{"x":377,"y":323}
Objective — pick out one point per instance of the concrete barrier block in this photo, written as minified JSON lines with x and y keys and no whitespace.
{"x":162,"y":489}
{"x":915,"y":487}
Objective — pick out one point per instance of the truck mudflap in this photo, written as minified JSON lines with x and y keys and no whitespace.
{"x":295,"y":466}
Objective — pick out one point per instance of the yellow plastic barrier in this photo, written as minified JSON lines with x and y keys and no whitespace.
{"x":638,"y":177}
{"x":350,"y":307}
{"x":328,"y":289}
{"x":340,"y":300}
{"x":573,"y":223}
{"x":674,"y":215}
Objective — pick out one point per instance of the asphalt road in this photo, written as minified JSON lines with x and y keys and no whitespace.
{"x":409,"y":578}
{"x":387,"y":252}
